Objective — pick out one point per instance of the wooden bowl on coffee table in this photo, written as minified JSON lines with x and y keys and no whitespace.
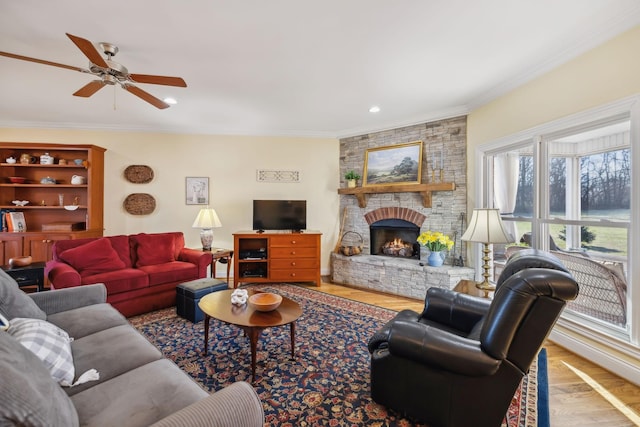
{"x":265,"y":301}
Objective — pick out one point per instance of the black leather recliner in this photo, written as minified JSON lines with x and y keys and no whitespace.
{"x":460,"y":361}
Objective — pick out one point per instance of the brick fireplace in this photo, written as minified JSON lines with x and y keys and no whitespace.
{"x":405,"y":212}
{"x":393,"y":232}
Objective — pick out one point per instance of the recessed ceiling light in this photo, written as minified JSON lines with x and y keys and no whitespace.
{"x":170,"y":101}
{"x":374,"y":109}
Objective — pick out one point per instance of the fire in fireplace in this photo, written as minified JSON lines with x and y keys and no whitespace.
{"x":398,"y":247}
{"x":394,"y":237}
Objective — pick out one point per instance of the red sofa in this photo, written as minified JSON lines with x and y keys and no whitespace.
{"x":140,"y":271}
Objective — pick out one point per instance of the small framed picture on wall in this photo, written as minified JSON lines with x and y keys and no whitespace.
{"x":197,"y":190}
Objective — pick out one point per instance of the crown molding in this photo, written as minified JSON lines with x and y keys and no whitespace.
{"x":200,"y":130}
{"x":426,"y":118}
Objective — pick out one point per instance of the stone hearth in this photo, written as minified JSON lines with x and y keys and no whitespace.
{"x":396,"y":276}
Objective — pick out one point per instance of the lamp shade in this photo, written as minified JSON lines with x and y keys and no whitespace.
{"x":207,"y":218}
{"x":486,"y":227}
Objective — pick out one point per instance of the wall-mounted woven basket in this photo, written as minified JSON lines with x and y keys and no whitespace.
{"x":138,"y":174}
{"x":350,"y":250}
{"x":139,"y":204}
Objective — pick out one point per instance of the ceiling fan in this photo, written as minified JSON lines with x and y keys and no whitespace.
{"x":108,"y":72}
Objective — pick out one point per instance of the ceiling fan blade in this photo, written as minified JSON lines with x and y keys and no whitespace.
{"x":158,"y":80}
{"x":146,"y":96}
{"x":90,"y":88}
{"x":42,"y":61}
{"x":89,"y":50}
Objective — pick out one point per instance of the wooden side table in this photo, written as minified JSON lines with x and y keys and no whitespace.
{"x":469,"y":287}
{"x":32,"y":274}
{"x":223,"y":255}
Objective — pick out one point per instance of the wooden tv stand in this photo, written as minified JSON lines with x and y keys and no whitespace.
{"x":276,"y":256}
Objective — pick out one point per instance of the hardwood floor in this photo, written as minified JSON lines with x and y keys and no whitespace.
{"x":580,"y":393}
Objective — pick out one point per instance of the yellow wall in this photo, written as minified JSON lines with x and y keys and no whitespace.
{"x":604,"y":74}
{"x":230,"y":162}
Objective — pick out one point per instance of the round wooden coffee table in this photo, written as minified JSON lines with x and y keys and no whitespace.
{"x":218,"y":305}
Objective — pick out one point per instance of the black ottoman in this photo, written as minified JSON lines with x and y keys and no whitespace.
{"x":188,"y":295}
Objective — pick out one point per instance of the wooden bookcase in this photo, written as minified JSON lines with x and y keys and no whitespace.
{"x":276,"y":257}
{"x":44,"y":210}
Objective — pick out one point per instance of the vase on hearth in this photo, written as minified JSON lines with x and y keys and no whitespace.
{"x":436,"y":258}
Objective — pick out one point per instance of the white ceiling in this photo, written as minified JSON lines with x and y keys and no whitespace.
{"x":290,"y":67}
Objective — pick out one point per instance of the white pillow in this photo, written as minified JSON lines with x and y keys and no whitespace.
{"x":52,"y":345}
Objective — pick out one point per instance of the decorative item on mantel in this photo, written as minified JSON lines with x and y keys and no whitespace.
{"x":352,"y":179}
{"x":438,"y":243}
{"x":395,"y":164}
{"x":437,"y":163}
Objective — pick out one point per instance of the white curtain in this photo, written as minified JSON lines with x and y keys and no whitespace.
{"x":506,"y":170}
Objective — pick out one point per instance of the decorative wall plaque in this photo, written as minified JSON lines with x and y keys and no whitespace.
{"x":263,"y":175}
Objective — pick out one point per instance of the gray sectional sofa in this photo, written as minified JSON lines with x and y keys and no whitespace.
{"x":136,"y":385}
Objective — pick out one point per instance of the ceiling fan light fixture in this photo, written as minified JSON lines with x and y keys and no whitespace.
{"x":170,"y":101}
{"x":374,"y":109}
{"x":109,"y":79}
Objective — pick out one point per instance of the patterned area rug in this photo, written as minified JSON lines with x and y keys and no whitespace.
{"x":328,"y":382}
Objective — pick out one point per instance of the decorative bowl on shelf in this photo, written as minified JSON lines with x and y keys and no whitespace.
{"x":265,"y":301}
{"x":20,"y":202}
{"x":71,"y":207}
{"x":17,"y":179}
{"x":20,"y":261}
{"x":47,"y":180}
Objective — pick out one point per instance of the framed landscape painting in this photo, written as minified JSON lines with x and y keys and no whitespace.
{"x":197,"y":190}
{"x":395,"y":164}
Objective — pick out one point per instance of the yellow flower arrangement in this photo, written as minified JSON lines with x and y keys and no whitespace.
{"x":435,"y":241}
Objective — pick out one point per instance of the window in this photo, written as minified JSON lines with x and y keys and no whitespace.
{"x":588,"y":214}
{"x":567,"y":187}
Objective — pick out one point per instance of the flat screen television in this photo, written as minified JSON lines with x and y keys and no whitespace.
{"x":280,"y":215}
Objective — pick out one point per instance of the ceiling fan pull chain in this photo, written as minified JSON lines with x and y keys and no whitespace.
{"x":114,"y":98}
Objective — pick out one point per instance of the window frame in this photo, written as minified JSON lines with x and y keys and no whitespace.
{"x":608,"y":347}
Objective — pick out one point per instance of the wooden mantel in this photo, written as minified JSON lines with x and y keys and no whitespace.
{"x":425,"y":191}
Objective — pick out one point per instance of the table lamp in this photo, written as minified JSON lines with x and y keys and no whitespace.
{"x":206,"y":220}
{"x":486,"y":227}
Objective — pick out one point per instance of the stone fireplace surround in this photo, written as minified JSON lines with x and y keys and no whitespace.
{"x":395,"y":275}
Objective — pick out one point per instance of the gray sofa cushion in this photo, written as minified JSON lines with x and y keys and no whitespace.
{"x":160,"y":388}
{"x":30,"y":397}
{"x":111,"y":352}
{"x":87,"y":320}
{"x":49,"y":343}
{"x":14,"y":302}
{"x":70,"y":298}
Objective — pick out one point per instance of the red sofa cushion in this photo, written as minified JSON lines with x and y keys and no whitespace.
{"x":92,"y":258}
{"x":153,"y":249}
{"x":176,"y":271}
{"x":119,"y":281}
{"x":119,"y":243}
